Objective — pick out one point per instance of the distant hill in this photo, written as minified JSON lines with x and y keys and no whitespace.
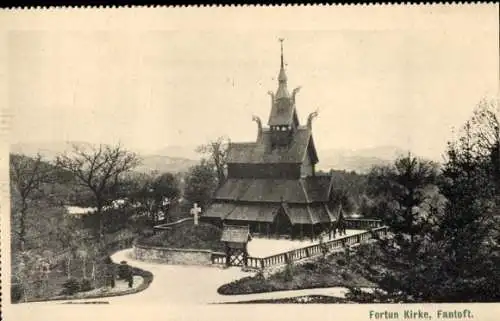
{"x":49,"y":150}
{"x":180,"y":158}
{"x":185,"y":151}
{"x":165,"y":164}
{"x":358,"y":160}
{"x":150,"y":162}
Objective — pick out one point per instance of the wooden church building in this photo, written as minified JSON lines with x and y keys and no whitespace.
{"x":271,"y":184}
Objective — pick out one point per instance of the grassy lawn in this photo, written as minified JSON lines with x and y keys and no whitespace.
{"x":187,"y":236}
{"x":320,"y":273}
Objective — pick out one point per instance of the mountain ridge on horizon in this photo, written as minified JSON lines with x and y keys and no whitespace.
{"x":180,"y":157}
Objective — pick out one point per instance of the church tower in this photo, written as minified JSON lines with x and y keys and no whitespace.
{"x":271,"y":183}
{"x":283,"y":120}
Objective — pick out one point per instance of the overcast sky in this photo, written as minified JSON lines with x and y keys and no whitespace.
{"x":379,"y":77}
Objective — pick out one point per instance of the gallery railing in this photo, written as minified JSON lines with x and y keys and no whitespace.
{"x":362,"y":223}
{"x":305,"y":252}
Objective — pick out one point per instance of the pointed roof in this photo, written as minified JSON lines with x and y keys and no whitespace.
{"x":283,"y":108}
{"x":282,"y":91}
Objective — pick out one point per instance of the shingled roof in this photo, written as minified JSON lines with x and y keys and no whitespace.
{"x":263,"y":152}
{"x":297,"y":213}
{"x":254,"y":213}
{"x":309,"y":214}
{"x":305,"y":190}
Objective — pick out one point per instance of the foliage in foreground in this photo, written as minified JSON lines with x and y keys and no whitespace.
{"x":325,"y":272}
{"x":440,"y":251}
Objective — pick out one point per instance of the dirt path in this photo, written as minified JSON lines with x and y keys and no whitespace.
{"x":194,"y":285}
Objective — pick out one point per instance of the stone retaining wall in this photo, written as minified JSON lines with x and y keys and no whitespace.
{"x":172,"y":256}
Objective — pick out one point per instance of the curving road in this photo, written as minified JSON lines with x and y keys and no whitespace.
{"x":180,"y":285}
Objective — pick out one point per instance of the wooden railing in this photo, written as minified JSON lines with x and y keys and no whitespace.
{"x":313,"y":250}
{"x":362,"y":223}
{"x":218,"y":258}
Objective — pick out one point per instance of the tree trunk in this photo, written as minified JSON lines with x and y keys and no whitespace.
{"x":68,"y":267}
{"x":100,"y":231}
{"x":22,"y":226}
{"x":84,"y":268}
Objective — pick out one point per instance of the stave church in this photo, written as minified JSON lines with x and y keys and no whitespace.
{"x":272,"y":186}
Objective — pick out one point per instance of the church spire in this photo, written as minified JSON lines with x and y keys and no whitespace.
{"x":282,"y":79}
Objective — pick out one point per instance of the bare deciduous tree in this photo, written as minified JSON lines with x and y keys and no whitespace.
{"x":486,"y":126}
{"x":98,"y":169}
{"x":26,"y":175}
{"x":217,"y":151}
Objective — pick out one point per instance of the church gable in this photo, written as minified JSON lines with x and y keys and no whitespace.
{"x":263,"y":151}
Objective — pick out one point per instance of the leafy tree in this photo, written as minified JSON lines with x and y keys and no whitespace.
{"x":401,"y":190}
{"x":99,"y":169}
{"x":341,"y":197}
{"x":469,"y":227}
{"x":201,"y":182}
{"x":157,"y":194}
{"x":446,"y":248}
{"x":405,"y":197}
{"x":217,"y":151}
{"x":26,"y":175}
{"x":349,"y":191}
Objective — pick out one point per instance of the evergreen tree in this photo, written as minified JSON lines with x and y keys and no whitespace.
{"x":469,"y":227}
{"x":408,"y":202}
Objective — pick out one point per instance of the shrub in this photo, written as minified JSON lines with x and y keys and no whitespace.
{"x":341,"y":262}
{"x":346,"y":276}
{"x":124,"y":271}
{"x":16,"y":293}
{"x":288,"y":273}
{"x":309,"y":266}
{"x":147,"y":233}
{"x":85,"y":285}
{"x":71,"y":287}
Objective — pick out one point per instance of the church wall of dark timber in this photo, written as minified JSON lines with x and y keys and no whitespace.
{"x":277,"y":171}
